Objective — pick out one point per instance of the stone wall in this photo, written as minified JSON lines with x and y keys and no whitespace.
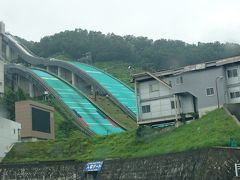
{"x":44,"y":170}
{"x":213,"y":163}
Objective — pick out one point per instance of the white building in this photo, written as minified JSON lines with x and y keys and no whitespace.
{"x":9,"y":134}
{"x":186,"y":92}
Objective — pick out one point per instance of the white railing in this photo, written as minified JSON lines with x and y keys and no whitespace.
{"x":237,"y":168}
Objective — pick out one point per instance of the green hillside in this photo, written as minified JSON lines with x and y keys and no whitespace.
{"x":142,"y":51}
{"x":116,"y":113}
{"x":214,"y":129}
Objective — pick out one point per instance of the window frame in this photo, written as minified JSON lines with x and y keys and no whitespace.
{"x":145,"y":109}
{"x":173,"y":105}
{"x":232,"y":73}
{"x":151,"y":89}
{"x":234,"y":95}
{"x":179,"y":80}
{"x":237,"y":94}
{"x":212,"y":91}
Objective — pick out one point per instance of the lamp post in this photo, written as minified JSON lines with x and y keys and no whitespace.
{"x":46,"y":93}
{"x":216,"y":81}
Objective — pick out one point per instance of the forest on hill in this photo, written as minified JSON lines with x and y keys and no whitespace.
{"x":139,"y":51}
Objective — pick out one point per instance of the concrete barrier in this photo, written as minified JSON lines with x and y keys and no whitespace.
{"x":212,"y":163}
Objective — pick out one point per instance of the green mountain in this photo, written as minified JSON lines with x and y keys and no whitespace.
{"x":138,"y":51}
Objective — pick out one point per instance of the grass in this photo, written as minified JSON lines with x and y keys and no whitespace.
{"x":116,"y":113}
{"x":63,"y":121}
{"x":123,"y":73}
{"x":119,"y":70}
{"x":214,"y":129}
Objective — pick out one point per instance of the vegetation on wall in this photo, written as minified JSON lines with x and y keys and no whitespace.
{"x":64,"y":128}
{"x":9,"y":99}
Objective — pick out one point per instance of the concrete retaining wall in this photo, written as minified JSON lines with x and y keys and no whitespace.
{"x":213,"y":163}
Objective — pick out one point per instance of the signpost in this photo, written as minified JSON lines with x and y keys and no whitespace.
{"x":93,"y":167}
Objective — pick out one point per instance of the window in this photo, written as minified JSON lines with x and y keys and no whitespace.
{"x":146,"y":109}
{"x":0,"y":83}
{"x":234,"y":94}
{"x":232,"y":73}
{"x":237,"y":94}
{"x":179,"y":80}
{"x":172,"y":104}
{"x":154,"y":87}
{"x":210,"y":91}
{"x":41,"y":120}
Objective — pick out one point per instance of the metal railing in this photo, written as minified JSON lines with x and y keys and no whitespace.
{"x":237,"y":168}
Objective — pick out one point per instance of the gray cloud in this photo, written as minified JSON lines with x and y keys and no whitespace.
{"x":187,"y":20}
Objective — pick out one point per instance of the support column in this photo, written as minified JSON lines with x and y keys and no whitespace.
{"x":8,"y":53}
{"x":16,"y":83}
{"x":31,"y":93}
{"x":73,"y":79}
{"x":137,"y":101}
{"x":1,"y":43}
{"x":59,"y":72}
{"x":176,"y":110}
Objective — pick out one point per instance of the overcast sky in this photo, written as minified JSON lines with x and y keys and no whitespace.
{"x":187,"y":20}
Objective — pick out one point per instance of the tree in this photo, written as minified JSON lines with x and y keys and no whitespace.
{"x":9,"y":99}
{"x":139,"y":51}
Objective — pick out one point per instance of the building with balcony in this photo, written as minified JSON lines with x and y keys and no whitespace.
{"x":187,"y":92}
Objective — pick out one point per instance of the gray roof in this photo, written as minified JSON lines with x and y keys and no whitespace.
{"x":194,"y":67}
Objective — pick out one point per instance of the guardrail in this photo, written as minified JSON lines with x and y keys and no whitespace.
{"x":237,"y":168}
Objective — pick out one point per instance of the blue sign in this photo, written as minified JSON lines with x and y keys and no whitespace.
{"x":93,"y":166}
